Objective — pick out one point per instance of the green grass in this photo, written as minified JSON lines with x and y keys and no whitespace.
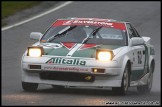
{"x":11,"y":7}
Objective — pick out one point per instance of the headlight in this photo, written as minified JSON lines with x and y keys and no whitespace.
{"x":104,"y":55}
{"x":35,"y":51}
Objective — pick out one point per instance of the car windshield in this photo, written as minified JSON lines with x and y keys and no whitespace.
{"x":104,"y":35}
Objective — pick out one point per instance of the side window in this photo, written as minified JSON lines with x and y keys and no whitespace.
{"x":136,"y":32}
{"x":131,"y":31}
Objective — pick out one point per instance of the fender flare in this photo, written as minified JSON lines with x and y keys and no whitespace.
{"x":125,"y":62}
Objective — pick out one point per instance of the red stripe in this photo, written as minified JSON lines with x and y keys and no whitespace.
{"x":59,"y":22}
{"x":68,"y":45}
{"x":86,"y":46}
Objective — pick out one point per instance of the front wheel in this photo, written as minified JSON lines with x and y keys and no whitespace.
{"x":29,"y":86}
{"x":125,"y":83}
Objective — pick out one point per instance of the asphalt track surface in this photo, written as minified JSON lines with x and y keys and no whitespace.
{"x":144,"y":15}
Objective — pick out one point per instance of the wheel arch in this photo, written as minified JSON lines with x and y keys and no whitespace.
{"x":127,"y":62}
{"x":152,"y":61}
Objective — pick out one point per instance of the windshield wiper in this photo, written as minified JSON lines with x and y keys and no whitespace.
{"x":63,"y":31}
{"x":93,"y":33}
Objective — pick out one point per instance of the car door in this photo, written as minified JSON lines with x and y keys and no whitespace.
{"x":138,"y":55}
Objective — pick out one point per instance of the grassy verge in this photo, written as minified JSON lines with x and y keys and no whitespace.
{"x":11,"y":7}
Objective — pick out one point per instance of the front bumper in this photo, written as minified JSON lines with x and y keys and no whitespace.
{"x":111,"y":77}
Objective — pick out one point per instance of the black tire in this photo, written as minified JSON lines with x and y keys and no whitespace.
{"x":57,"y":87}
{"x":147,"y":88}
{"x":29,"y":86}
{"x":124,"y":85}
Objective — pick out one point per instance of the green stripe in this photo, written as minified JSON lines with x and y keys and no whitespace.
{"x":152,"y":51}
{"x":111,"y":47}
{"x":91,"y":52}
{"x":58,"y":52}
{"x":137,"y":74}
{"x":88,"y":53}
{"x":146,"y":57}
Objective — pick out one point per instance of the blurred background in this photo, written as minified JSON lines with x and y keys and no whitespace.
{"x":14,"y":11}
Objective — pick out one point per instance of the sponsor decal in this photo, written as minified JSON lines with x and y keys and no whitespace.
{"x":103,"y":23}
{"x":50,"y":45}
{"x":65,"y":68}
{"x":87,"y":22}
{"x":66,"y":61}
{"x":68,"y":22}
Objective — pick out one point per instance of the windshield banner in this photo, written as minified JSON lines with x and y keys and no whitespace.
{"x":116,"y":25}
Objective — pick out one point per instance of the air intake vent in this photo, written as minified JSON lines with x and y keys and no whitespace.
{"x":35,"y":66}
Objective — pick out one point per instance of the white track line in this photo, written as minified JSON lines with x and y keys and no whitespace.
{"x":35,"y":17}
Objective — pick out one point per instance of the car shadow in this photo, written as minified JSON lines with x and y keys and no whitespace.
{"x":85,"y":91}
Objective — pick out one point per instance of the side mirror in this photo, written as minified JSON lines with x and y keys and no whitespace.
{"x":136,"y":41}
{"x":36,"y":35}
{"x":146,"y":39}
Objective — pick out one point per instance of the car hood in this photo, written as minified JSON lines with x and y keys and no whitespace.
{"x":76,"y":50}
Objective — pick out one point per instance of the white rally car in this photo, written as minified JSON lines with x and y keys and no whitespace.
{"x":89,"y":52}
